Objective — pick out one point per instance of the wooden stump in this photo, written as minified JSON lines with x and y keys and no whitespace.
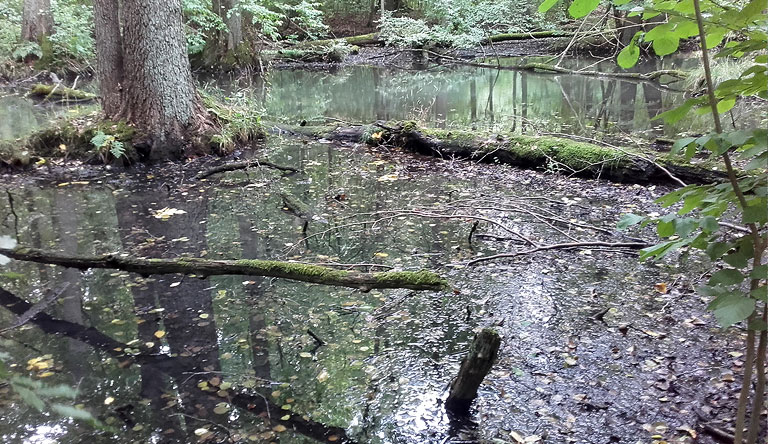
{"x":475,"y":366}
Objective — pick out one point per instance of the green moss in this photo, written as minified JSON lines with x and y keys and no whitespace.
{"x":291,"y":268}
{"x":414,"y":278}
{"x":574,"y":155}
{"x":59,"y":91}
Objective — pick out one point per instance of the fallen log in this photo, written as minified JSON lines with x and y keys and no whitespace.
{"x":241,"y":165}
{"x":527,"y":36}
{"x":60,"y":92}
{"x":414,"y":280}
{"x":581,"y":159}
{"x":355,"y":40}
{"x":475,"y":366}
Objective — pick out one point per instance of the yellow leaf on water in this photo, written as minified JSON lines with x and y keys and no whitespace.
{"x":305,"y":354}
{"x":159,"y":334}
{"x":661,"y":287}
{"x":109,"y":400}
{"x":380,"y":254}
{"x":323,"y":376}
{"x":279,"y":428}
{"x":285,"y":418}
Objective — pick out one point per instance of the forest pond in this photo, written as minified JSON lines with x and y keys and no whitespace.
{"x":592,"y":350}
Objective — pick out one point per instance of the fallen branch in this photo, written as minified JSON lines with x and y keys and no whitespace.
{"x":241,"y":165}
{"x":630,"y":245}
{"x":414,"y":280}
{"x":527,"y":36}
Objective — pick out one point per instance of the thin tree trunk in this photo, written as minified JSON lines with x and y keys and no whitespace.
{"x":36,"y":20}
{"x":159,"y":95}
{"x":234,"y":23}
{"x":109,"y":47}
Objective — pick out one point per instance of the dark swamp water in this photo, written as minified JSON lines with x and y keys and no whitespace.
{"x":591,"y":351}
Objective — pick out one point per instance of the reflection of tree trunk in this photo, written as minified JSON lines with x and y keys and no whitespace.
{"x":489,"y":105}
{"x":524,"y":100}
{"x":187,"y":333}
{"x":70,"y":307}
{"x":441,"y":109}
{"x":514,"y":101}
{"x":627,"y":104}
{"x":473,"y":100}
{"x":253,"y":248}
{"x":379,"y":106}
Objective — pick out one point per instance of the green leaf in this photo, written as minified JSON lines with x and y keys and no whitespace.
{"x":682,"y":143}
{"x":662,"y":249}
{"x":736,"y":260}
{"x":709,"y":223}
{"x":674,"y":114}
{"x":665,"y":229}
{"x":759,"y":272}
{"x":547,"y":5}
{"x":727,"y":276}
{"x":732,"y":308}
{"x":665,"y":45}
{"x":685,"y":226}
{"x":628,"y":56}
{"x":580,"y":8}
{"x":756,"y":212}
{"x":628,"y":220}
{"x":760,"y":293}
{"x":725,"y":105}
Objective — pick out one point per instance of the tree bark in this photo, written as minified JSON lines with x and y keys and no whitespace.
{"x":109,"y":47}
{"x":475,"y":366}
{"x":159,"y":95}
{"x":36,"y":20}
{"x":418,"y":280}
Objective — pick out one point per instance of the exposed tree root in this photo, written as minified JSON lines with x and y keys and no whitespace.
{"x":414,"y":280}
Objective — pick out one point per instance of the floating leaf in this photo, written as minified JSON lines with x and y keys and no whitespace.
{"x":159,"y":334}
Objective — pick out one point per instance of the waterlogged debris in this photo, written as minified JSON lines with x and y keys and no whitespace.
{"x":166,"y":213}
{"x":388,"y":178}
{"x":661,"y":288}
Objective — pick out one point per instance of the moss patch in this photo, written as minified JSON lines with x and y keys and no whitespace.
{"x":236,"y":124}
{"x":293,"y":269}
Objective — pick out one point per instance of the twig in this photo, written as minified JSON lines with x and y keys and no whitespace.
{"x":632,"y":245}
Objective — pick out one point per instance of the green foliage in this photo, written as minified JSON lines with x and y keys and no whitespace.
{"x":107,"y":144}
{"x":200,"y":23}
{"x":696,"y":225}
{"x":459,"y":23}
{"x":73,"y":36}
{"x":10,"y":27}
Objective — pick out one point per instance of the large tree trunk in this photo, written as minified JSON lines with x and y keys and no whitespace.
{"x":159,"y":96}
{"x":36,"y":20}
{"x":109,"y":47}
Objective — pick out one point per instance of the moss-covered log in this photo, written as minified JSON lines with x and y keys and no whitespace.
{"x":355,"y":40}
{"x":414,"y":280}
{"x":475,"y":366}
{"x":527,"y":36}
{"x":60,"y":92}
{"x":580,"y":159}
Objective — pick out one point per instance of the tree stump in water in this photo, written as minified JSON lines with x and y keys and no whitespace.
{"x":475,"y":366}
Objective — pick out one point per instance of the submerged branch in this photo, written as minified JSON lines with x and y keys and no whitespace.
{"x":630,"y":245}
{"x":414,"y":280}
{"x":241,"y":165}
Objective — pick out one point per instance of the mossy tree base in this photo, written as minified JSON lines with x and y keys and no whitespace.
{"x":579,"y":159}
{"x":414,"y":280}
